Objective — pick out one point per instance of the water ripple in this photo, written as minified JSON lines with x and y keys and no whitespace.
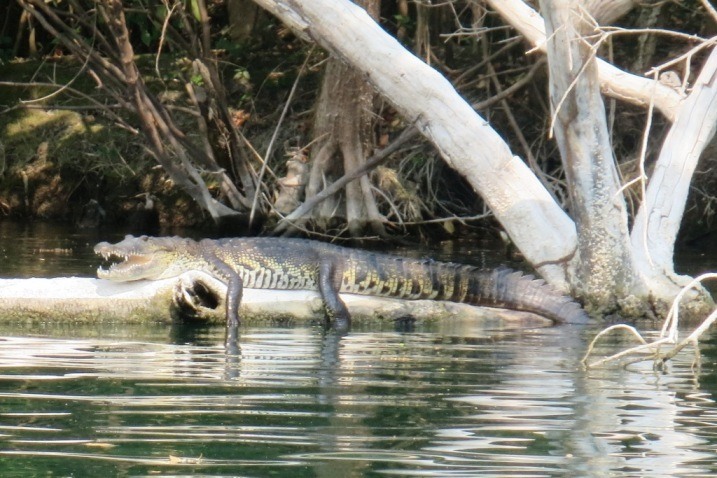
{"x":364,"y":404}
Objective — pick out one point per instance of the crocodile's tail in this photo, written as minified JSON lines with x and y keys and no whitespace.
{"x":502,"y":288}
{"x":510,"y":289}
{"x":399,"y":277}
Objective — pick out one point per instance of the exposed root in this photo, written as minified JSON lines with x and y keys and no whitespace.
{"x":669,"y":335}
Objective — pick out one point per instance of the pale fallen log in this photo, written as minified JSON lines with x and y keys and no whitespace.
{"x":75,"y":299}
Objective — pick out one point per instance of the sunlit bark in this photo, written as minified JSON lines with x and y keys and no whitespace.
{"x":614,"y":82}
{"x":603,"y":263}
{"x":660,"y":215}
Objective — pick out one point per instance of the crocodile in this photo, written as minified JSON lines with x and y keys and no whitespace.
{"x":302,"y":264}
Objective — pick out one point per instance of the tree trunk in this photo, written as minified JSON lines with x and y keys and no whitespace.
{"x":602,"y":266}
{"x":658,"y":220}
{"x":242,"y":17}
{"x":343,"y":133}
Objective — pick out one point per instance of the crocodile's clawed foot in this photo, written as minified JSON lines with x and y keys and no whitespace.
{"x":340,"y":324}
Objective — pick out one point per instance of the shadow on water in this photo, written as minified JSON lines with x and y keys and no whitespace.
{"x":458,"y":398}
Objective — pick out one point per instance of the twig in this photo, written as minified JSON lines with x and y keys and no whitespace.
{"x":642,"y":176}
{"x":461,"y":219}
{"x":162,"y":35}
{"x":337,"y":185}
{"x":391,"y":204}
{"x":668,"y":334}
{"x":269,"y":148}
{"x":505,"y":93}
{"x":693,"y":338}
{"x":686,"y":57}
{"x":672,"y":319}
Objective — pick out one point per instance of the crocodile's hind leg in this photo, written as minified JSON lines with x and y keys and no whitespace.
{"x":335,"y":307}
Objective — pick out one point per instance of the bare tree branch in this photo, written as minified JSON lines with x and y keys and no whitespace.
{"x":613,"y":81}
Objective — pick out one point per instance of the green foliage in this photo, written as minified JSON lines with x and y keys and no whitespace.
{"x":197,"y":80}
{"x":234,"y":49}
{"x":5,"y":48}
{"x":403,"y":21}
{"x":194,"y":8}
{"x":241,"y":74}
{"x":142,"y":25}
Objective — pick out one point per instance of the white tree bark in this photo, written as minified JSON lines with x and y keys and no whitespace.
{"x":537,"y":225}
{"x":603,"y":264}
{"x":660,"y":215}
{"x":614,"y":82}
{"x":607,"y":11}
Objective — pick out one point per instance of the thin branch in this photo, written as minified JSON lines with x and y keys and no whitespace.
{"x":162,"y":36}
{"x":710,"y":9}
{"x":606,"y":331}
{"x":439,"y":220}
{"x":668,"y":334}
{"x":378,"y":158}
{"x":503,"y":94}
{"x":269,"y":148}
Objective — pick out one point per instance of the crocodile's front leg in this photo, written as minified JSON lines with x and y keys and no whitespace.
{"x":329,"y":293}
{"x":234,"y":294}
{"x":235,"y":288}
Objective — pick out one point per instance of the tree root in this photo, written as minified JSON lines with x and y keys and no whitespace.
{"x":669,"y":336}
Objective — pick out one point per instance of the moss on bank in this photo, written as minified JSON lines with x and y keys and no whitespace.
{"x":55,"y":161}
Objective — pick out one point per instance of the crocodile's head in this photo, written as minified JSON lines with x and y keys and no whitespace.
{"x":146,"y":258}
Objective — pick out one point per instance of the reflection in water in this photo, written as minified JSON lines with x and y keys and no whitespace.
{"x":46,"y":250}
{"x":457,"y":400}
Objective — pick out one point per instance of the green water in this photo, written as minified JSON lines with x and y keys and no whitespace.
{"x":452,"y":401}
{"x":456,"y":399}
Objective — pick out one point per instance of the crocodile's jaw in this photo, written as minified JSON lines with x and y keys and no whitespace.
{"x":139,"y":258}
{"x":132,"y":267}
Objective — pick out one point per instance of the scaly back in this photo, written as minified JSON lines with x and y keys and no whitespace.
{"x":383,"y":275}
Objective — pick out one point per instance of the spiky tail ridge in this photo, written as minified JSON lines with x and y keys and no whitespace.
{"x":510,"y":289}
{"x":393,"y":276}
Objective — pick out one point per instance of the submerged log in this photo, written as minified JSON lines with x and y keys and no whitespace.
{"x":197,"y":297}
